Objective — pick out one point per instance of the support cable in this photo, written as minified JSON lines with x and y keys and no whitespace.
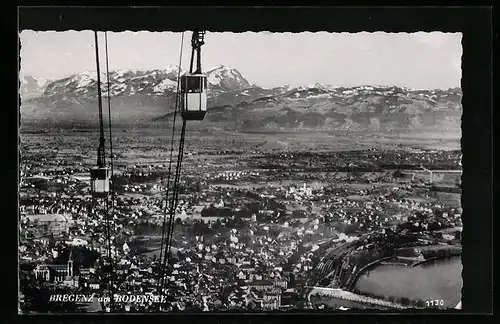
{"x":176,"y":108}
{"x":173,"y":205}
{"x":176,"y":186}
{"x":196,"y":42}
{"x":101,"y":157}
{"x":109,"y":122}
{"x":101,"y":161}
{"x":110,"y":214}
{"x":110,"y":257}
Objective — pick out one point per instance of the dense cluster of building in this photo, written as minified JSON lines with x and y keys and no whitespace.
{"x":365,"y":160}
{"x":252,"y":246}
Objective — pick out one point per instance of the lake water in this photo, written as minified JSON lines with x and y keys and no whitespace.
{"x":438,"y":279}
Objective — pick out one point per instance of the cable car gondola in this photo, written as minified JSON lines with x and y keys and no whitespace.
{"x":100,"y":174}
{"x":193,"y":86}
{"x":99,"y":182}
{"x":193,"y":96}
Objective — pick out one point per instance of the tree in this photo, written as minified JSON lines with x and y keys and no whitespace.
{"x":52,"y":241}
{"x":405,"y":301}
{"x":420,"y":303}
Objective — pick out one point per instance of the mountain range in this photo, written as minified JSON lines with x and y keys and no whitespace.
{"x":147,"y":97}
{"x":32,"y":87}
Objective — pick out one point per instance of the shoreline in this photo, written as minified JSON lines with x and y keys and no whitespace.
{"x":352,"y":289}
{"x":376,"y":263}
{"x":454,"y":255}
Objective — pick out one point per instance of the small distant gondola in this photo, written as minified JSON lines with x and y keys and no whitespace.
{"x":100,"y":174}
{"x":99,"y":182}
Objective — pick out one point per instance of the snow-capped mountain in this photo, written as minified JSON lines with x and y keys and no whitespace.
{"x":225,"y":78}
{"x":362,"y":108}
{"x":31,"y":87}
{"x":137,"y":95}
{"x":235,"y":103}
{"x":131,"y":82}
{"x":122,"y":82}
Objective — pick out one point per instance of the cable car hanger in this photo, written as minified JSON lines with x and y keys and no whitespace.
{"x":193,"y":92}
{"x":192,"y":103}
{"x":100,"y":175}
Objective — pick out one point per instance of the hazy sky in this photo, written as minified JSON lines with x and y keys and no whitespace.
{"x":417,"y":60}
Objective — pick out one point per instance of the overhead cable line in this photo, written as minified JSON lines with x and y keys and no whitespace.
{"x":191,"y":97}
{"x":167,"y":190}
{"x":101,"y":163}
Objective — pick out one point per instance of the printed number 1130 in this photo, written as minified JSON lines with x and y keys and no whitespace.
{"x":435,"y":302}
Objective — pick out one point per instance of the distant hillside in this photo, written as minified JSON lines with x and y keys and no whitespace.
{"x":140,"y":97}
{"x":32,"y":87}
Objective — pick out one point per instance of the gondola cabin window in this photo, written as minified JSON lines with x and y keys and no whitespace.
{"x":99,"y":182}
{"x":193,"y":96}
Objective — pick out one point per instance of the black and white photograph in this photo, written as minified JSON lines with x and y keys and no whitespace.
{"x":201,"y":171}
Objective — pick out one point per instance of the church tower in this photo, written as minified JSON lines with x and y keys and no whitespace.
{"x":70,"y":264}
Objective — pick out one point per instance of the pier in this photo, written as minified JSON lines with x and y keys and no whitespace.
{"x":347,"y":295}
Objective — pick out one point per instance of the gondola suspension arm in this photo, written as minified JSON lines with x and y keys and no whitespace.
{"x":197,"y":41}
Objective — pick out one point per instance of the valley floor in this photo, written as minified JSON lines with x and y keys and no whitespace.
{"x":263,"y":207}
